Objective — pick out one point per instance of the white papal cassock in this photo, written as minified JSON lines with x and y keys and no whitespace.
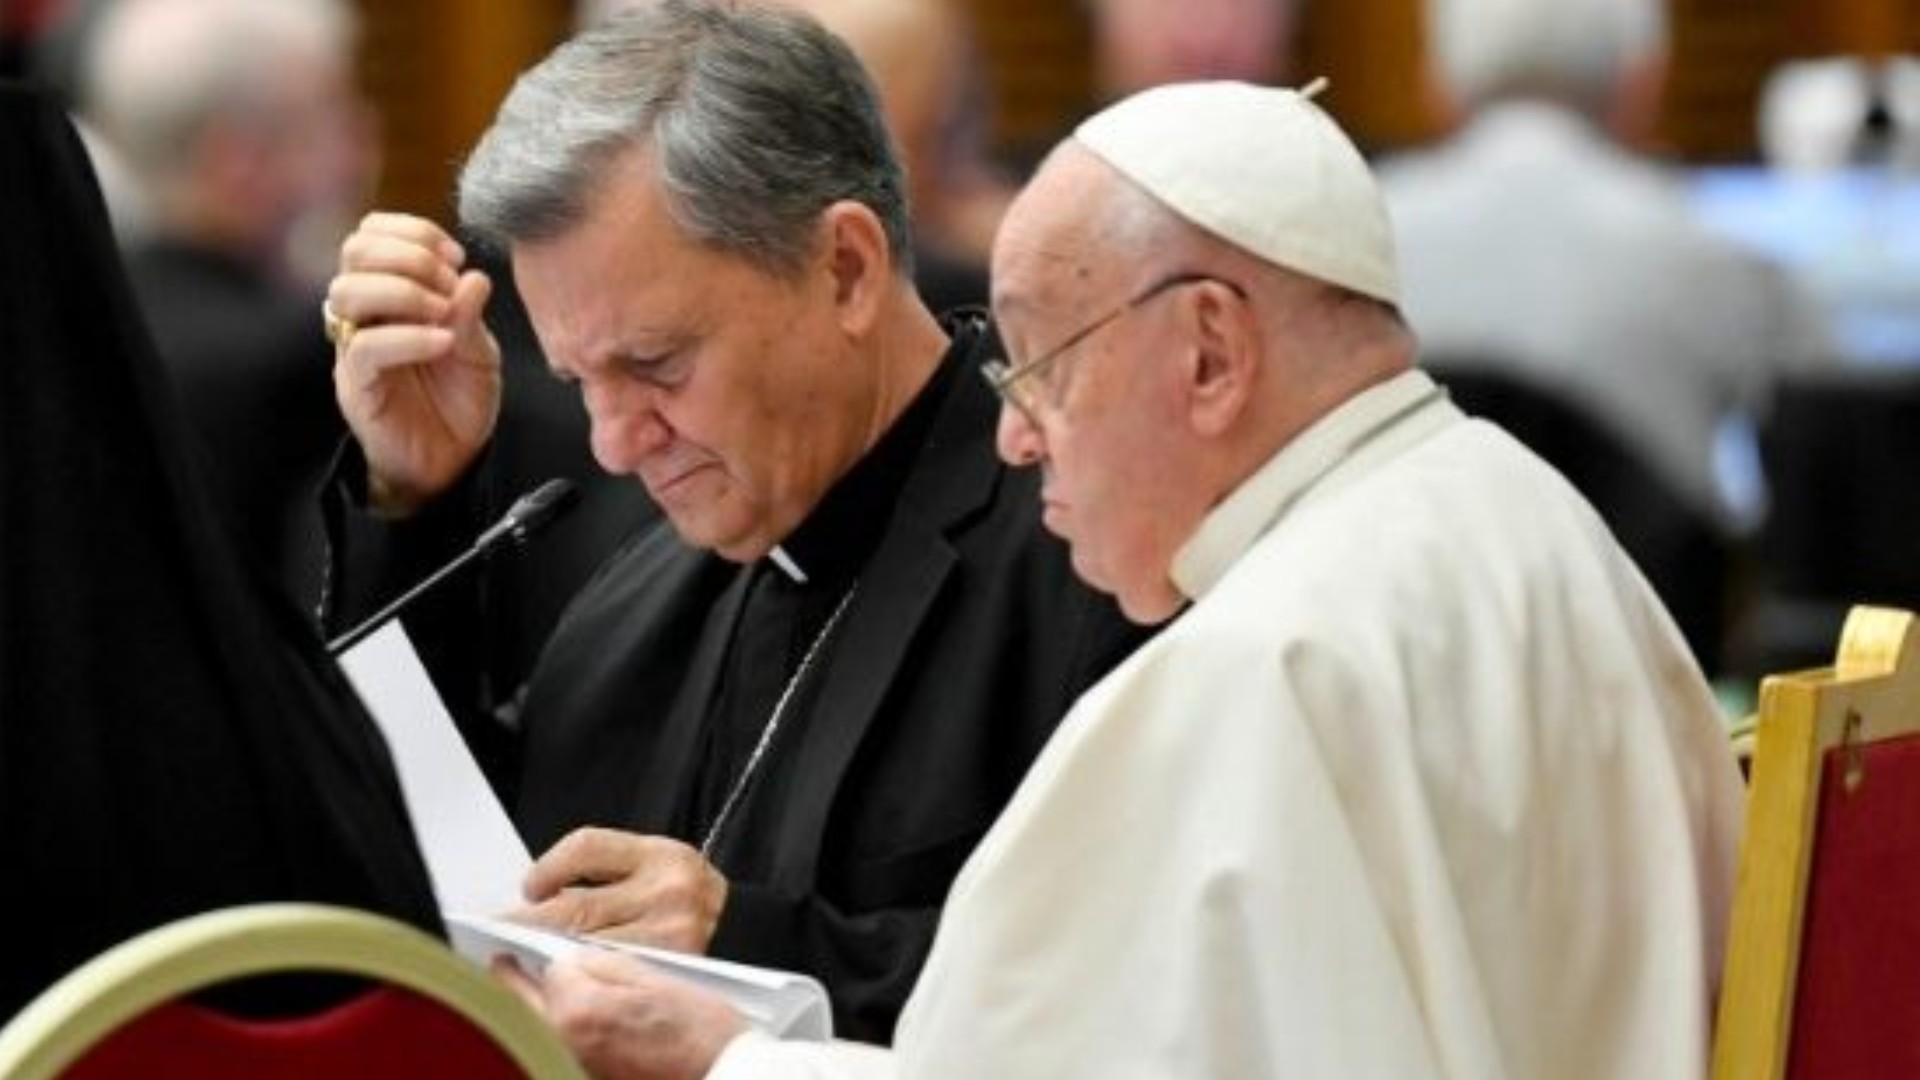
{"x":1423,"y":784}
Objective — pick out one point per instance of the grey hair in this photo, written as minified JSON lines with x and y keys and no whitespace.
{"x":156,"y":72}
{"x":1574,"y":50}
{"x":757,"y":120}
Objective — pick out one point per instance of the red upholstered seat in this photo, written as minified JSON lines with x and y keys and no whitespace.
{"x":1856,"y":1009}
{"x":1823,"y":957}
{"x":137,"y":1011}
{"x":384,"y":1032}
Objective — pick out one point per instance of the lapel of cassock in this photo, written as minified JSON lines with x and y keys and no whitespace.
{"x":953,"y":478}
{"x":662,"y":793}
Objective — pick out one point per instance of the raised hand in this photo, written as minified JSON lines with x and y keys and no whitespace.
{"x":416,"y":372}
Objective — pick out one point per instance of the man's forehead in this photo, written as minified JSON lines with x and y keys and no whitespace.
{"x":1028,"y":264}
{"x":1051,"y":229}
{"x":1043,"y":273}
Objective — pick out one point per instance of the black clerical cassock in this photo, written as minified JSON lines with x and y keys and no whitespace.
{"x":172,"y":736}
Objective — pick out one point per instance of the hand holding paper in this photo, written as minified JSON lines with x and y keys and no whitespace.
{"x":651,"y":889}
{"x":781,"y":1003}
{"x":477,"y":861}
{"x":625,"y":1018}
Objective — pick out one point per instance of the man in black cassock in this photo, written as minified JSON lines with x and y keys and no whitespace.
{"x":774,"y":730}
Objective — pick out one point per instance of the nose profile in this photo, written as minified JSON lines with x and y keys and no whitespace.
{"x":625,"y":425}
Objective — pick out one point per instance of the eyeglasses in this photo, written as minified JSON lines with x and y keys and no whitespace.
{"x":1017,"y":384}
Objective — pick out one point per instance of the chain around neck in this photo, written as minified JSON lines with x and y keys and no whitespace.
{"x":772,"y":726}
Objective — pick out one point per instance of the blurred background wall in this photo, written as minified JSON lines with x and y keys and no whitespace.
{"x":437,"y":68}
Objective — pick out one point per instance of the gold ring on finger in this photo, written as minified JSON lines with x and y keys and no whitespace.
{"x":339,"y":330}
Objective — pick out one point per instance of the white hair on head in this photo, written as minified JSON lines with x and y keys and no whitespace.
{"x":1576,"y":50}
{"x":155,"y":72}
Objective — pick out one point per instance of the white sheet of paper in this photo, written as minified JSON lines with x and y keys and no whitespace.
{"x":475,"y":857}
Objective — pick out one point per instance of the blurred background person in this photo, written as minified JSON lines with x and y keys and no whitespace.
{"x":1539,"y":234}
{"x":239,"y":128}
{"x":1142,"y":43}
{"x":925,"y":65}
{"x":1835,"y":196}
{"x":1537,"y":240}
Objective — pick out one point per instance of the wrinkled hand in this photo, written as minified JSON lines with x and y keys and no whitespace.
{"x":646,"y":889}
{"x":625,"y":1021}
{"x":418,"y":380}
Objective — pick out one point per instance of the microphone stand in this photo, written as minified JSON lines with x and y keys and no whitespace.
{"x":528,"y":515}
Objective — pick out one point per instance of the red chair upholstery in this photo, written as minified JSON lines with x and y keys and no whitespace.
{"x":1823,"y":957}
{"x":428,"y":1013}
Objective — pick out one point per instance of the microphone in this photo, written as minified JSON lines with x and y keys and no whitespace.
{"x":529,"y":514}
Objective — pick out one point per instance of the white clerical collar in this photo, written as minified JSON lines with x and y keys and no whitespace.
{"x":786,"y":564}
{"x":1230,"y":528}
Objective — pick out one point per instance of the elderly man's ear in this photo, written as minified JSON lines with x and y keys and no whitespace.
{"x":1223,"y":364}
{"x":857,"y":256}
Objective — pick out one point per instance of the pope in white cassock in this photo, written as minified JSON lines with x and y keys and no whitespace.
{"x":1422,"y":781}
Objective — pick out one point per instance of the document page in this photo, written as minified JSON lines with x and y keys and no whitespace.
{"x":473,"y":853}
{"x":477,"y":860}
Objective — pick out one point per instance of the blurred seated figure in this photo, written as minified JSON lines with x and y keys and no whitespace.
{"x":1837,"y":197}
{"x":172,"y":736}
{"x":1812,"y":116}
{"x":924,"y":63}
{"x":238,"y":125}
{"x":1537,"y":233}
